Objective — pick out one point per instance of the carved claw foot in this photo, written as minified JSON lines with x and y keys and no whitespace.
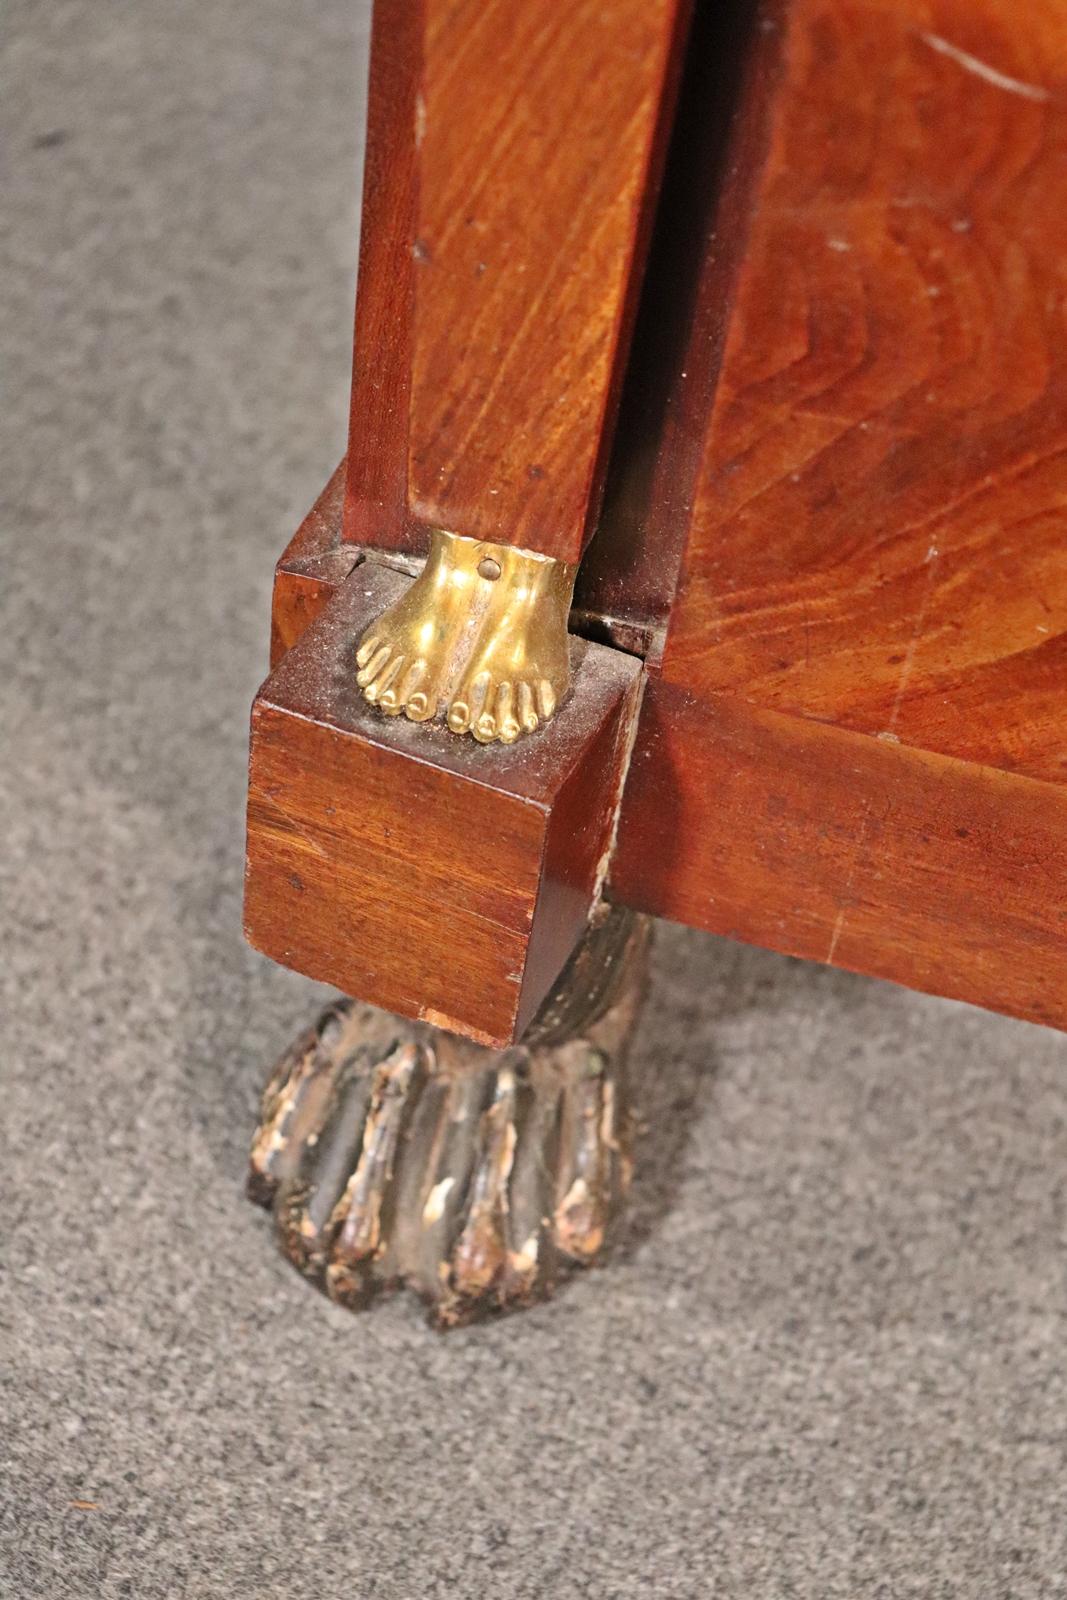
{"x":481,"y":636}
{"x":392,"y":1153}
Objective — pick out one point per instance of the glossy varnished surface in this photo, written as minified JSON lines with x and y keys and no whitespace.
{"x":514,"y":149}
{"x":878,"y":538}
{"x":413,"y":868}
{"x":375,"y":509}
{"x":851,"y":746}
{"x":858,"y":729}
{"x":807,"y":838}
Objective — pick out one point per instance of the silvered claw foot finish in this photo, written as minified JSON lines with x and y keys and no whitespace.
{"x":391,"y":1153}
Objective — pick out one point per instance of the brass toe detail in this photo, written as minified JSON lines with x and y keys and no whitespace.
{"x":480,"y":637}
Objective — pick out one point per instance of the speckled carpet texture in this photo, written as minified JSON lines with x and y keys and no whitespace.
{"x":829,"y":1359}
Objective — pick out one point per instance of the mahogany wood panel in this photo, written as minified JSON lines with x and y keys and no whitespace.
{"x":721,"y":128}
{"x":416,"y":870}
{"x":514,"y":150}
{"x":376,"y":489}
{"x":946,"y":876}
{"x":314,"y":563}
{"x":877,"y":537}
{"x":858,"y":726}
{"x":851,"y":747}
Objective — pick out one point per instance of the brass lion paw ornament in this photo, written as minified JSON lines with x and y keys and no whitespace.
{"x":480,"y":638}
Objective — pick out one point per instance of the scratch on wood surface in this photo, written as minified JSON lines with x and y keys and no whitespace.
{"x":982,"y":69}
{"x":294,"y":825}
{"x":932,"y":556}
{"x":838,"y":928}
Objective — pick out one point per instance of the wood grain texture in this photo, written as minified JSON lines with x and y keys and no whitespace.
{"x":858,"y":726}
{"x":539,"y":128}
{"x":719,"y":141}
{"x":414,"y":869}
{"x":513,"y":156}
{"x":877,"y":536}
{"x":852,"y":744}
{"x":376,"y":489}
{"x":313,"y":565}
{"x":318,"y":559}
{"x":946,"y":876}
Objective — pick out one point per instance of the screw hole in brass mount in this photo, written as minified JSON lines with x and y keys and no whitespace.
{"x":480,"y":638}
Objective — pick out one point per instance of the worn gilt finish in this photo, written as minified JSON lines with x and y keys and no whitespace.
{"x":393,"y":1154}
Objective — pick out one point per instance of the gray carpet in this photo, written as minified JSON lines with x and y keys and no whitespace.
{"x":829,"y":1361}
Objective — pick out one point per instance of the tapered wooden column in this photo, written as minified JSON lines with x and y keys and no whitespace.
{"x":513,"y":158}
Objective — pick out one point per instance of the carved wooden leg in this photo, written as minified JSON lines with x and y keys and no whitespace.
{"x":393,"y":1153}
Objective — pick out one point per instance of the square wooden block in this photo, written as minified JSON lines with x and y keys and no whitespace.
{"x":416,"y":869}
